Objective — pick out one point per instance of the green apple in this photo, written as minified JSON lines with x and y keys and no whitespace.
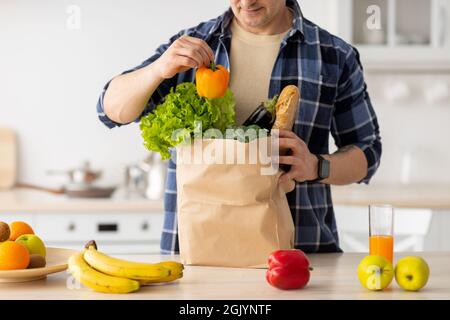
{"x":33,"y":243}
{"x":375,"y":272}
{"x":411,"y":273}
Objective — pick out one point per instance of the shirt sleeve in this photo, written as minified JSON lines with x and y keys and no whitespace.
{"x":160,"y":92}
{"x":354,"y":120}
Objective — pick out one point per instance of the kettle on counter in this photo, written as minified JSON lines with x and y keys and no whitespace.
{"x":147,"y":178}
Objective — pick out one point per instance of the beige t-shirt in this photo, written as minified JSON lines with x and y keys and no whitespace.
{"x":252,"y":58}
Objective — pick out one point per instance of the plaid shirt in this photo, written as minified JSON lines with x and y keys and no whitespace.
{"x":333,"y":100}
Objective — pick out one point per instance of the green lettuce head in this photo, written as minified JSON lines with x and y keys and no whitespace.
{"x":182,"y":115}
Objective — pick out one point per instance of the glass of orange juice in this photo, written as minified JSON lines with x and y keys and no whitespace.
{"x":381,"y":231}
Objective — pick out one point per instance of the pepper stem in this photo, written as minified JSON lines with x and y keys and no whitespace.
{"x":212,"y":66}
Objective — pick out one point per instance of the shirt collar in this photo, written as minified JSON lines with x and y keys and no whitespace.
{"x":222,"y":24}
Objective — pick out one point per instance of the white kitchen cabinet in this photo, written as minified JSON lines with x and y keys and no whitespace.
{"x":389,"y":34}
{"x":397,"y":34}
{"x":118,"y":225}
{"x":115,"y":233}
{"x":10,"y":217}
{"x":101,"y":226}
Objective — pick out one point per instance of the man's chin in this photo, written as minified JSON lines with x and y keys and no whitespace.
{"x":253,"y":23}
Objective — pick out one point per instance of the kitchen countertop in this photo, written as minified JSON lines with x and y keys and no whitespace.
{"x":23,"y":200}
{"x":401,"y":196}
{"x":333,"y":277}
{"x":406,"y":196}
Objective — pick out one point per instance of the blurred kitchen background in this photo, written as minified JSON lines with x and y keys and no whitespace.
{"x":56,"y":55}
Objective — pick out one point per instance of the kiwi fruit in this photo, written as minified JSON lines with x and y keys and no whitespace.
{"x":5,"y":232}
{"x":36,"y":261}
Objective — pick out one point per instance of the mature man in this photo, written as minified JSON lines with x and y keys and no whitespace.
{"x":268,"y":44}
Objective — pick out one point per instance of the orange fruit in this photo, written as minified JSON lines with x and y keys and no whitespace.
{"x":13,"y":256}
{"x":19,"y":228}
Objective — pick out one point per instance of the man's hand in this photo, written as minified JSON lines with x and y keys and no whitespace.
{"x":185,"y":53}
{"x":128,"y":94}
{"x":303,"y":163}
{"x":347,"y":165}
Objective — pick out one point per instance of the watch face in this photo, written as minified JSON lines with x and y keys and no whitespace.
{"x":324,"y":169}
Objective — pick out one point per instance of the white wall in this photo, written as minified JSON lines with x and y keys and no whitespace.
{"x":51,"y":76}
{"x":323,"y":13}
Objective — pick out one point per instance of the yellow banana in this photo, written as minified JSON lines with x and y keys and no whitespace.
{"x":169,"y":278}
{"x":98,"y":281}
{"x":176,"y":272}
{"x":175,"y":267}
{"x":122,"y":268}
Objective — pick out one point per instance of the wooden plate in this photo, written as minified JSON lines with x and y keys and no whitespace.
{"x":56,"y":262}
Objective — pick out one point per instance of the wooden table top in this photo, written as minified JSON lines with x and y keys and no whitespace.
{"x":334,"y":277}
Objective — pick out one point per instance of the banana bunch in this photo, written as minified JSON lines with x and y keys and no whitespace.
{"x":104,"y":273}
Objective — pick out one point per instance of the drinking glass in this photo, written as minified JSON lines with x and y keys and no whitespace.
{"x":381,"y":231}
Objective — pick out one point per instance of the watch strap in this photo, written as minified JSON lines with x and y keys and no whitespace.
{"x":319,"y":167}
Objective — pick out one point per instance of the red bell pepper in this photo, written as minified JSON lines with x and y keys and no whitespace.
{"x":288,"y":269}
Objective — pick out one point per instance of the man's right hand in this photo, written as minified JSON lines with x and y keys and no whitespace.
{"x":128,"y":94}
{"x":185,"y":53}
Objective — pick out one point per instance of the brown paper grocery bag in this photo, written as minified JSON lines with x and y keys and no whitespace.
{"x":230,"y":214}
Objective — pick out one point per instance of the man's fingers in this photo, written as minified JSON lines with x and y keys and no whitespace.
{"x":209,"y":52}
{"x":287,"y":176}
{"x":288,"y":160}
{"x":192,"y":54}
{"x":289,"y":143}
{"x":205,"y":55}
{"x":198,"y":51}
{"x":286,"y":134}
{"x":202,"y":47}
{"x":290,"y":135}
{"x":186,"y":61}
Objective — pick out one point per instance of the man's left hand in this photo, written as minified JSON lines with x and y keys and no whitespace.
{"x":303,"y":163}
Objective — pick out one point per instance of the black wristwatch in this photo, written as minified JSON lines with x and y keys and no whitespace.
{"x":323,"y":168}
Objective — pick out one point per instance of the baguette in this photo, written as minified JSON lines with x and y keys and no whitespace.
{"x":286,"y":108}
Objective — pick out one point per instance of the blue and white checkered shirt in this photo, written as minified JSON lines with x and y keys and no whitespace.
{"x":333,"y":100}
